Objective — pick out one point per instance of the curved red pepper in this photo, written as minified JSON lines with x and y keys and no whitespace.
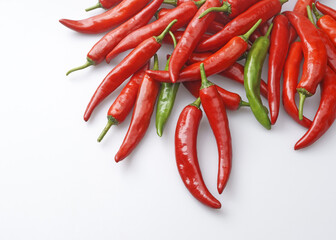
{"x":277,"y":56}
{"x":326,"y":113}
{"x":326,"y":10}
{"x":234,"y":72}
{"x":129,"y":65}
{"x":124,"y":103}
{"x":265,"y":10}
{"x":315,"y":56}
{"x":215,"y":111}
{"x":186,"y":154}
{"x":231,"y":100}
{"x":136,"y":37}
{"x":141,"y":116}
{"x":331,"y":50}
{"x":107,"y":20}
{"x":290,"y":79}
{"x":190,"y":38}
{"x":99,"y":51}
{"x":328,"y":25}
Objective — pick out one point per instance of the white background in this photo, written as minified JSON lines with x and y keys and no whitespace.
{"x":57,"y":182}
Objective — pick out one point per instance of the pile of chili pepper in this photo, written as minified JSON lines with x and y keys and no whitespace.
{"x":209,"y":37}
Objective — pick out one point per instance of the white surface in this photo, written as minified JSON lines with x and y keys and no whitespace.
{"x":57,"y":182}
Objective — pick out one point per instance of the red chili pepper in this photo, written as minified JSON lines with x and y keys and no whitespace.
{"x":235,"y":72}
{"x":327,"y":24}
{"x":141,"y":116}
{"x":105,"y":4}
{"x":290,"y":79}
{"x":300,"y":8}
{"x":136,"y":37}
{"x":99,"y":51}
{"x":214,"y":109}
{"x":326,"y":10}
{"x":315,"y":56}
{"x":129,"y":65}
{"x":263,"y":28}
{"x":265,"y":10}
{"x":217,"y":62}
{"x":186,"y":154}
{"x":190,"y":38}
{"x":124,"y":103}
{"x":214,"y":26}
{"x":231,"y":100}
{"x":326,"y":113}
{"x":277,"y":56}
{"x":257,"y":34}
{"x":107,"y":20}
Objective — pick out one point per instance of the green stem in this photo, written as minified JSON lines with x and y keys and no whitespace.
{"x":173,"y":37}
{"x":244,"y":104}
{"x":199,"y":3}
{"x":205,"y":82}
{"x":171,"y":2}
{"x":110,"y":122}
{"x":226,"y":7}
{"x":316,"y":13}
{"x":88,"y":63}
{"x":247,"y":35}
{"x":164,"y":33}
{"x":283,"y":1}
{"x":197,"y":103}
{"x":156,"y":62}
{"x":98,"y":5}
{"x":310,"y":15}
{"x":269,"y":30}
{"x":302,"y":100}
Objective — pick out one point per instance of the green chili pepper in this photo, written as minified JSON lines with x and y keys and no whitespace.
{"x":166,"y":100}
{"x":252,"y":73}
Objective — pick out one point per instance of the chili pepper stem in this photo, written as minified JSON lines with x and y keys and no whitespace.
{"x":302,"y":100}
{"x":226,"y":7}
{"x":310,"y":15}
{"x":269,"y":30}
{"x":283,"y":1}
{"x":316,"y":13}
{"x":171,"y":2}
{"x":247,"y":35}
{"x":197,"y":103}
{"x":88,"y":63}
{"x":199,"y":3}
{"x":173,"y":37}
{"x":110,"y":122}
{"x":205,"y":82}
{"x":98,"y":5}
{"x":244,"y":104}
{"x":164,"y":33}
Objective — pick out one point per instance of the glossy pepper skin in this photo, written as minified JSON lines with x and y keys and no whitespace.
{"x":143,"y":109}
{"x":327,"y":24}
{"x":326,"y":10}
{"x":124,"y":103}
{"x":178,"y":35}
{"x":265,"y":10}
{"x":215,"y":63}
{"x":231,"y":100}
{"x":215,"y":111}
{"x":235,"y":72}
{"x":315,"y":56}
{"x":290,"y":80}
{"x":99,"y":51}
{"x":277,"y":56}
{"x":105,"y":4}
{"x":129,"y":65}
{"x":186,"y":154}
{"x":252,"y":73}
{"x":326,"y":113}
{"x":136,"y":37}
{"x":107,"y":20}
{"x":190,"y":38}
